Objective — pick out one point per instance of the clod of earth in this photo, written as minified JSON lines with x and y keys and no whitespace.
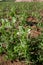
{"x":41,"y":13}
{"x":31,"y":21}
{"x":8,"y":62}
{"x":34,"y":33}
{"x":9,"y":18}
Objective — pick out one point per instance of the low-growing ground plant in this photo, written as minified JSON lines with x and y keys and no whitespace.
{"x":21,"y":33}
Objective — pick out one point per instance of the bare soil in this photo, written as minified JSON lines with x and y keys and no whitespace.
{"x":8,"y":62}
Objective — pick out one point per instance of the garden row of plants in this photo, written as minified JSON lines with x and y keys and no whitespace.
{"x":21,"y":33}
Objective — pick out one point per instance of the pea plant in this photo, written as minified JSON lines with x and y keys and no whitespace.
{"x":20,"y":40}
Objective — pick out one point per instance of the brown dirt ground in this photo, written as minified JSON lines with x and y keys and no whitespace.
{"x":8,"y":62}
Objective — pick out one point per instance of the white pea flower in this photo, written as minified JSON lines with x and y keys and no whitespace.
{"x":13,"y":20}
{"x":29,"y":30}
{"x":2,"y":20}
{"x":18,"y":33}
